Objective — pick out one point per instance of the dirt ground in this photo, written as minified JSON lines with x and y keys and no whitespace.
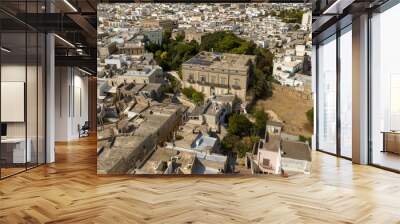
{"x":290,"y":107}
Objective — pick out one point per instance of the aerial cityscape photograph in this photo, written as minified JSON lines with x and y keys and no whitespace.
{"x":204,"y":89}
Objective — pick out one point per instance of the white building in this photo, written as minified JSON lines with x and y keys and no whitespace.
{"x":300,"y":50}
{"x":306,"y":21}
{"x":146,"y":74}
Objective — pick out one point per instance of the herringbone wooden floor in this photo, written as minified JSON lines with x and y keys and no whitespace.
{"x":69,"y":191}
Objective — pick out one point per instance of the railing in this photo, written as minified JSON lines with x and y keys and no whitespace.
{"x":212,"y":84}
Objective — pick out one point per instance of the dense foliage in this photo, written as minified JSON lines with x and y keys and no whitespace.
{"x":240,"y":125}
{"x":243,"y":134}
{"x":239,"y":145}
{"x":196,"y":97}
{"x":172,"y":53}
{"x":261,"y":119}
{"x":226,"y":42}
{"x":310,"y":116}
{"x":289,"y":15}
{"x":173,"y":85}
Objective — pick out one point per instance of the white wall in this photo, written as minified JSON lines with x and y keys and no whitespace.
{"x":71,"y":102}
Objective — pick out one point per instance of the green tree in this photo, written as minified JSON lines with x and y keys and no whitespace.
{"x":166,"y":38}
{"x":164,"y":55}
{"x":197,"y":98}
{"x":180,"y":73}
{"x":291,"y":15}
{"x":241,"y":148}
{"x":310,"y":116}
{"x":172,"y":86}
{"x":237,"y":145}
{"x":229,"y":142}
{"x":152,"y":47}
{"x":180,"y":37}
{"x":188,"y":92}
{"x":260,"y":121}
{"x":239,"y":125}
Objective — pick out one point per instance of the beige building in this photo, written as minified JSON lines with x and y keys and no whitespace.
{"x":132,"y":48}
{"x":105,"y":50}
{"x":141,"y":74}
{"x":164,"y":23}
{"x":215,"y":73}
{"x":193,"y":35}
{"x":130,"y":151}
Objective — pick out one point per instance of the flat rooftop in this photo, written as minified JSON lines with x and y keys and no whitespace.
{"x":221,"y":60}
{"x":152,"y":119}
{"x":158,"y":161}
{"x":143,"y":72}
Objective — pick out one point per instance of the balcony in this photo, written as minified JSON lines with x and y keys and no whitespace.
{"x":237,"y":87}
{"x":218,"y":85}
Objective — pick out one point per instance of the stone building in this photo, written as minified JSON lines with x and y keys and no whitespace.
{"x":193,"y":35}
{"x":141,"y":74}
{"x":130,"y":151}
{"x":154,"y":35}
{"x":132,"y":48}
{"x":163,"y":23}
{"x":215,"y":73}
{"x":107,"y":49}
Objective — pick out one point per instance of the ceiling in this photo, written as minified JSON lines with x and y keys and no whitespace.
{"x":74,"y":22}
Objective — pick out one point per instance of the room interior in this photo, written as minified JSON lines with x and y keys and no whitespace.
{"x":47,"y":83}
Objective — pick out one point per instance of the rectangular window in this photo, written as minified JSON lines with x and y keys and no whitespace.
{"x":266,"y":162}
{"x":385,"y":89}
{"x":346,"y":92}
{"x":327,"y":95}
{"x":213,"y":79}
{"x":223,"y":81}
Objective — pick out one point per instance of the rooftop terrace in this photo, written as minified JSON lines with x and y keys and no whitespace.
{"x":221,"y":60}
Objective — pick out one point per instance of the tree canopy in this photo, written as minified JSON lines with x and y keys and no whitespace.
{"x":291,"y":15}
{"x":239,"y":125}
{"x":172,"y":53}
{"x":261,"y":119}
{"x":310,"y":116}
{"x":196,"y":97}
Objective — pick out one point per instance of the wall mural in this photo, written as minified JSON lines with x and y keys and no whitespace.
{"x":204,"y":89}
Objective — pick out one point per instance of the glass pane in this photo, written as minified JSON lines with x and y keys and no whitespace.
{"x":385,"y":92}
{"x":41,"y":99}
{"x":346,"y":93}
{"x":13,"y":86}
{"x":31,"y":98}
{"x":327,"y":95}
